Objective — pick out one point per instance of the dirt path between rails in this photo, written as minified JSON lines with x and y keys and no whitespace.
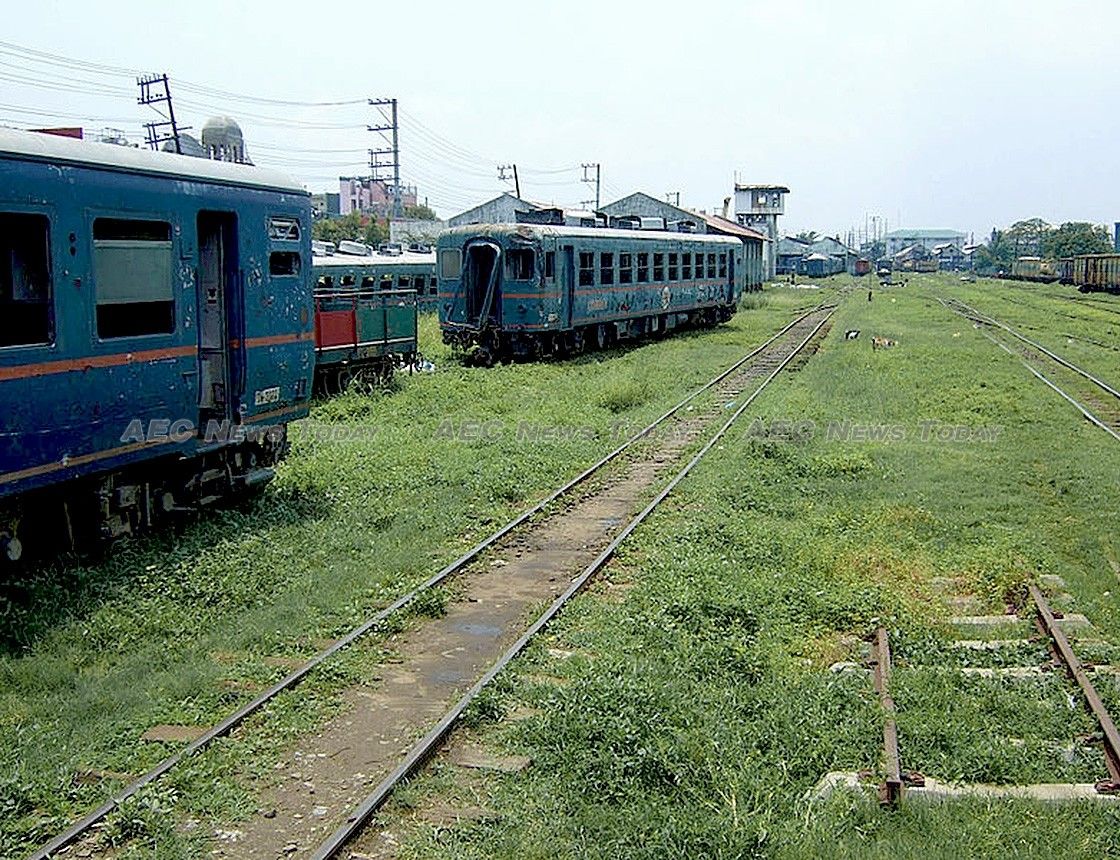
{"x":333,"y":770}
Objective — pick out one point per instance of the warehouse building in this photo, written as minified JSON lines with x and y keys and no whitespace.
{"x":896,"y":240}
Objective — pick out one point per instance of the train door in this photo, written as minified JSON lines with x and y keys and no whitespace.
{"x":482,"y":275}
{"x":566,"y":282}
{"x":731,"y":297}
{"x":219,"y":353}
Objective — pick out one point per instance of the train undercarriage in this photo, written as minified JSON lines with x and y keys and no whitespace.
{"x":490,"y":344}
{"x":90,"y":512}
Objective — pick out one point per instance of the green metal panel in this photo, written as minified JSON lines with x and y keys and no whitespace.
{"x":130,"y":271}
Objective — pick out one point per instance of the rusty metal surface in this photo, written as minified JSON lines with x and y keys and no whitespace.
{"x":1048,"y":624}
{"x":890,"y":792}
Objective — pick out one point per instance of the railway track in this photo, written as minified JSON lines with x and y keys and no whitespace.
{"x":1059,"y":632}
{"x":578,"y":527}
{"x":1095,"y":399}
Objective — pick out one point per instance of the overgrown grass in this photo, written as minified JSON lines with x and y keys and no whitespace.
{"x":180,"y":628}
{"x":700,"y":708}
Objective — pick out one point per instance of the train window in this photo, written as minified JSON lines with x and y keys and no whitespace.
{"x":625,"y":268}
{"x":325,"y":282}
{"x":450,"y":263}
{"x":659,"y":267}
{"x":369,"y":282}
{"x":403,"y":282}
{"x":674,"y":269}
{"x":711,"y":265}
{"x":347,"y":281}
{"x":586,"y":269}
{"x":686,"y":266}
{"x":521,"y":263}
{"x":432,"y":286}
{"x":283,"y":228}
{"x":386,"y":282}
{"x":643,"y":268}
{"x":606,"y":268}
{"x":283,"y":264}
{"x":25,"y":280}
{"x":723,"y":265}
{"x":132,"y":277}
{"x":549,"y":265}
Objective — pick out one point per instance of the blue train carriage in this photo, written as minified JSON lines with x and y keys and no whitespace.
{"x":366,"y":317}
{"x":156,"y":333}
{"x":525,"y":291}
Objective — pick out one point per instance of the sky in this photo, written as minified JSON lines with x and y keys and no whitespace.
{"x":957,"y":115}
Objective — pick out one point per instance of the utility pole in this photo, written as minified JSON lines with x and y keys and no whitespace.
{"x":676,"y":195}
{"x":587,"y":178}
{"x":155,"y":89}
{"x":387,"y":158}
{"x":502,"y":168}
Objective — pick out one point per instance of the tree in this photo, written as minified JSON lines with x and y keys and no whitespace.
{"x":354,"y":227}
{"x":1077,"y":237}
{"x":420,"y":212}
{"x":1027,"y":237}
{"x":807,"y":236}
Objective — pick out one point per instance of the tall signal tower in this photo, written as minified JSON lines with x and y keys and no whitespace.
{"x":596,"y":181}
{"x":387,"y":158}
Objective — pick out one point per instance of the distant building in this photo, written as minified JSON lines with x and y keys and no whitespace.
{"x":642,"y":205}
{"x":410,"y":230}
{"x":325,"y":205}
{"x":370,"y":196}
{"x":754,"y":246}
{"x":951,"y":257}
{"x":222,"y":140}
{"x":502,"y":209}
{"x":188,"y":145}
{"x":896,"y":240}
{"x":789,"y":255}
{"x":758,"y":207}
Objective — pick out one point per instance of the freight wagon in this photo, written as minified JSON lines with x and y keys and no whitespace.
{"x":156,"y":334}
{"x":1034,"y":269}
{"x":1097,"y":273}
{"x":525,"y":291}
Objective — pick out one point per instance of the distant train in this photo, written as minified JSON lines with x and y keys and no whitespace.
{"x":366,"y":315}
{"x":1034,"y":269}
{"x":1094,"y":273}
{"x":156,"y":334}
{"x":527,"y":290}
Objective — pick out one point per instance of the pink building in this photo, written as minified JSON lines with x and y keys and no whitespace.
{"x":370,"y":196}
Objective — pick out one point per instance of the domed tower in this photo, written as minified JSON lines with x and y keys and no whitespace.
{"x":223,"y":141}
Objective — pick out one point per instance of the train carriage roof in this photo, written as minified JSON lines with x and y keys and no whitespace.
{"x":542,"y":231}
{"x":15,"y":143}
{"x":351,"y":261}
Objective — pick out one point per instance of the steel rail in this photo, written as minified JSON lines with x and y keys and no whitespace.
{"x":890,"y":793}
{"x":1080,"y":407}
{"x":427,"y":745}
{"x":1048,"y":625}
{"x":82,"y":825}
{"x":980,"y":316}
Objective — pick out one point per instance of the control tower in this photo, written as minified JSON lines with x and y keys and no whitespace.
{"x":758,"y":206}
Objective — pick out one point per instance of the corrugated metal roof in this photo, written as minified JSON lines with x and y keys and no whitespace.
{"x":342,"y":260}
{"x":109,"y":156}
{"x":781,"y":188}
{"x":723,"y":225}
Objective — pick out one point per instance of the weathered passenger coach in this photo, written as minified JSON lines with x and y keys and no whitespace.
{"x":531,"y":290}
{"x":366,"y":317}
{"x":156,"y":332}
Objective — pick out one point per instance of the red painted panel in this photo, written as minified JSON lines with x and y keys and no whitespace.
{"x":335,"y":328}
